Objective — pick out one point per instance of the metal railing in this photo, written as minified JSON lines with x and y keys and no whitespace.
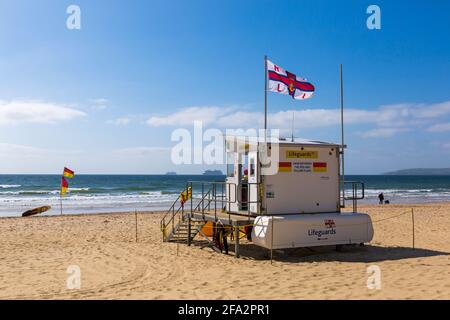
{"x":357,"y":193}
{"x":170,"y":217}
{"x":215,"y":196}
{"x":207,"y":197}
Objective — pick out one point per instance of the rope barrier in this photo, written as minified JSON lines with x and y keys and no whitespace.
{"x":313,"y":225}
{"x":344,"y":225}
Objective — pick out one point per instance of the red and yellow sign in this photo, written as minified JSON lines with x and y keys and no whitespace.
{"x":319,"y":167}
{"x":285,"y":167}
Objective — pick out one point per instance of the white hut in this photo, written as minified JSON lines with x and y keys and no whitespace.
{"x":290,"y":194}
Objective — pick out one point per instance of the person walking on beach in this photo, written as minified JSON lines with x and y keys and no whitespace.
{"x":381,"y":198}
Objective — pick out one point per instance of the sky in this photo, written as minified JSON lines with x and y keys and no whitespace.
{"x":106,"y":98}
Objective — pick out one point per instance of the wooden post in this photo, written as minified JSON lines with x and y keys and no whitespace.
{"x":190,"y":215}
{"x":236,"y":240}
{"x":189,"y":231}
{"x":271,"y":244}
{"x":136,"y":222}
{"x":179,"y":222}
{"x":412,"y":217}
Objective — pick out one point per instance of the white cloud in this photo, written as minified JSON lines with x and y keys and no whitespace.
{"x":142,"y":151}
{"x":24,"y":159}
{"x":187,"y":116}
{"x":119,"y":121}
{"x":388,"y":119}
{"x":29,"y":111}
{"x":382,"y":132}
{"x":9,"y":148}
{"x":432,"y":111}
{"x":439,"y":127}
{"x":99,"y":103}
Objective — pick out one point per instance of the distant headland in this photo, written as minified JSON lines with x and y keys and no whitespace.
{"x":213,"y":173}
{"x":421,"y":172}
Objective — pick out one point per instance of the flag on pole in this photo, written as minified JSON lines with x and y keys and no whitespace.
{"x":285,"y":82}
{"x":64,"y":186}
{"x":68,"y":173}
{"x":185,"y":196}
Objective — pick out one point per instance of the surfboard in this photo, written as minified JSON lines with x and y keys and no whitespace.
{"x":34,"y":211}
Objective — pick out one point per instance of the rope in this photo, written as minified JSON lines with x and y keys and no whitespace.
{"x":398,"y":215}
{"x":343,"y":225}
{"x":214,"y":226}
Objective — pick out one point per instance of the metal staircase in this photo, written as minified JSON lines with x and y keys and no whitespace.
{"x":177,"y":225}
{"x":181,"y":232}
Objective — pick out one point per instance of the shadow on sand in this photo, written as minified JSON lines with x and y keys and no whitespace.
{"x":366,"y":254}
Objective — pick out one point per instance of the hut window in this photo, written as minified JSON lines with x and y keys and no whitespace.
{"x":252,"y":167}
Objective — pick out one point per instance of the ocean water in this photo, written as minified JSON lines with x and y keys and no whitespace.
{"x":114,"y":193}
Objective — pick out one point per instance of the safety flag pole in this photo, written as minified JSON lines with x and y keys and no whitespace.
{"x":60,"y":194}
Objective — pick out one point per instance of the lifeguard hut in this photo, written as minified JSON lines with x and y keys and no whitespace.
{"x":297,"y":204}
{"x":293,"y":200}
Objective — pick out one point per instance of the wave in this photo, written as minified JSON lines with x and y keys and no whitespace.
{"x":9,"y":186}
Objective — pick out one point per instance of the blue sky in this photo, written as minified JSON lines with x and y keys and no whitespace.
{"x":106,"y":98}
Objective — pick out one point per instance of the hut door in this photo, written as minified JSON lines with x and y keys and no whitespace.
{"x":234,"y":176}
{"x":253,"y":180}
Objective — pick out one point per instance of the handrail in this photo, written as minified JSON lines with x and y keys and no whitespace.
{"x":355,"y":190}
{"x":230,"y":198}
{"x":218,"y":192}
{"x":355,"y":197}
{"x":231,"y":184}
{"x":163,"y":223}
{"x":171,"y":209}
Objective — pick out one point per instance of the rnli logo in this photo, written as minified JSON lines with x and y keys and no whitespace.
{"x":291,"y":78}
{"x":291,"y":87}
{"x":329,"y":223}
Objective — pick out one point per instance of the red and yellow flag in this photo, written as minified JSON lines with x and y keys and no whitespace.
{"x":64,"y":186}
{"x":185,"y":196}
{"x":68,"y":173}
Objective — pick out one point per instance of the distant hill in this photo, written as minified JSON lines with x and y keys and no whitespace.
{"x":421,"y":172}
{"x":212,"y":173}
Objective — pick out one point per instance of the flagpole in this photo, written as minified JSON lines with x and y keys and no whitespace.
{"x":342,"y":136}
{"x":265,"y":94}
{"x":293,"y":115}
{"x":60,"y":194}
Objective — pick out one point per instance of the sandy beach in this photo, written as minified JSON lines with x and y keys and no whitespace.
{"x":36,"y":253}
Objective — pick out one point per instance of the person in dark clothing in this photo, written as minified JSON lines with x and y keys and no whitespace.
{"x":381,"y":198}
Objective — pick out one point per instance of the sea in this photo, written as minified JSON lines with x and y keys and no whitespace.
{"x":119,"y":193}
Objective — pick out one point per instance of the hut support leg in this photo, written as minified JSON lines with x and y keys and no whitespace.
{"x":189,"y":231}
{"x":236,"y":240}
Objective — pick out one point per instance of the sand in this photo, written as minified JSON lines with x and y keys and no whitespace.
{"x":36,"y":253}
